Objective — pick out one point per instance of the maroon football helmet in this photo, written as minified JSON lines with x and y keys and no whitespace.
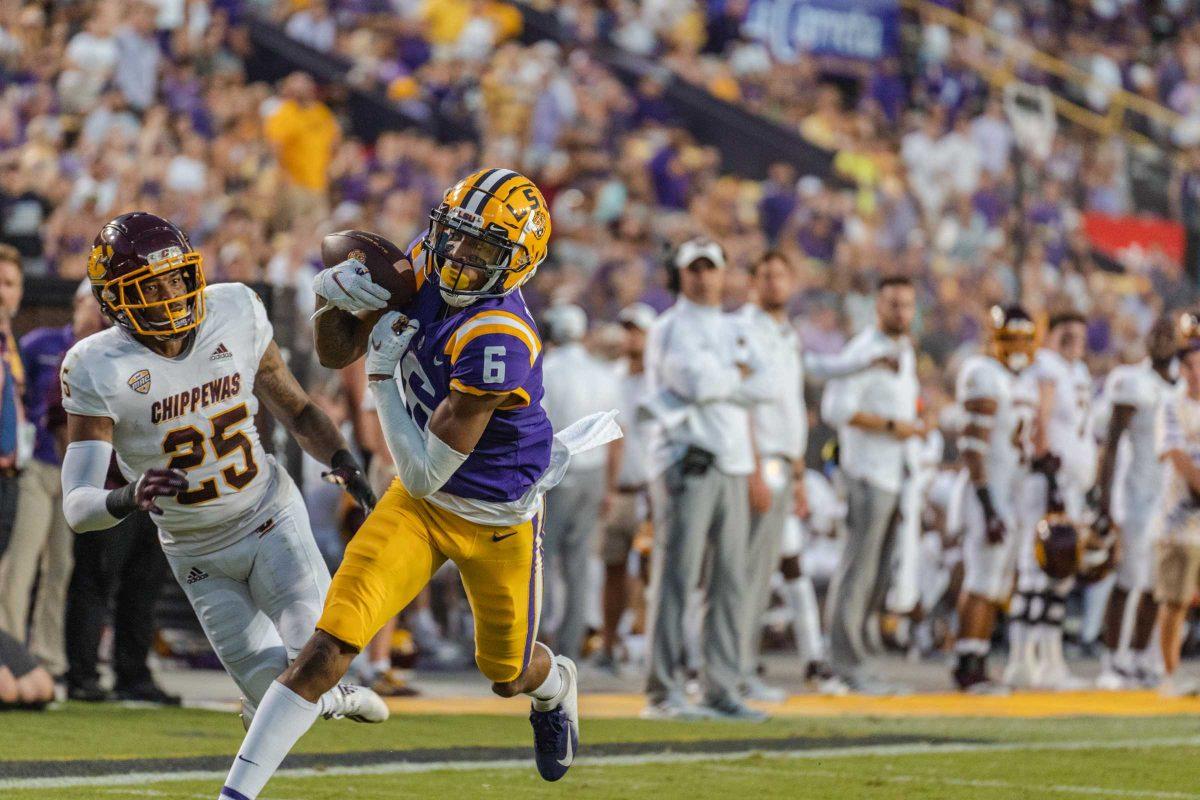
{"x":131,"y":250}
{"x":1058,"y":546}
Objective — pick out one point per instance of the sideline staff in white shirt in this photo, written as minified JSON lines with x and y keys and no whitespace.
{"x":576,"y":384}
{"x":702,"y":379}
{"x":874,"y":412}
{"x":780,"y":427}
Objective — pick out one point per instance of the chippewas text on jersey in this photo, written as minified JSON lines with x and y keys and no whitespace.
{"x":178,"y":404}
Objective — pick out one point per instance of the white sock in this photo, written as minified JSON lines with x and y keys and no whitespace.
{"x":550,"y":693}
{"x":380,"y":666}
{"x":361,"y":667}
{"x":1018,"y":640}
{"x":282,"y":718}
{"x":806,"y":619}
{"x":977,"y":647}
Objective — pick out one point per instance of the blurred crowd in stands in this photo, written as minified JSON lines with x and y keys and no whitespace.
{"x":112,"y":105}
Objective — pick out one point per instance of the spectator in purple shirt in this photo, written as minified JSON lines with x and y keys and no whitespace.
{"x":887,"y":88}
{"x":670,"y":177}
{"x":778,"y":199}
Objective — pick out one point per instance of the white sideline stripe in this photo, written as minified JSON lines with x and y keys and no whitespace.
{"x":399,"y":767}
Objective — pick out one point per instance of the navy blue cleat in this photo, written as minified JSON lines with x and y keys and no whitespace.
{"x":556,"y":732}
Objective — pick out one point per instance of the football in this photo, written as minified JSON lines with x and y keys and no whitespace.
{"x":387,"y":263}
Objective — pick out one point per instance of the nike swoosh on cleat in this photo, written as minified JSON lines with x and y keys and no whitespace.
{"x":248,"y":761}
{"x":498,"y":538}
{"x":566,"y":761}
{"x":437,"y":362}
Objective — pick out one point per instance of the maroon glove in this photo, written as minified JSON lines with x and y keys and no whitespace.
{"x":141,"y":494}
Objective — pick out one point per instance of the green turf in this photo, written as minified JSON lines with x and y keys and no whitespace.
{"x":1143,"y":773}
{"x":87,"y":731}
{"x":1046,"y":774}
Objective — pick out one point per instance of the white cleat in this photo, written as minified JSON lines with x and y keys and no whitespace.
{"x":1018,"y":674}
{"x":756,"y":690}
{"x":1111,"y":681}
{"x":832,"y":686}
{"x":1057,"y":678}
{"x":1178,"y":687}
{"x":357,"y":703}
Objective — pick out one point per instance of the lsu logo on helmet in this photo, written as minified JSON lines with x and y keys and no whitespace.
{"x":488,"y":235}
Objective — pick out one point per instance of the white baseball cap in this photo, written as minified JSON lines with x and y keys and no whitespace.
{"x":695,"y":249}
{"x":639,"y":314}
{"x":566,"y":322}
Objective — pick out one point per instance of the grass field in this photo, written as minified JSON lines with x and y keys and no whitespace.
{"x":80,"y":752}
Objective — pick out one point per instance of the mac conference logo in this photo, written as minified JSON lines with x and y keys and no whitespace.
{"x":140,"y":381}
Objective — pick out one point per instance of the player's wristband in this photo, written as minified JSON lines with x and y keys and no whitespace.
{"x":344,"y":459}
{"x":985,"y":500}
{"x":122,"y":502}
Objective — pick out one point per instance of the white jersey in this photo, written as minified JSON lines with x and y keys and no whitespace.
{"x":1179,"y":429}
{"x":1069,"y":429}
{"x":984,"y":378}
{"x":194,"y":412}
{"x":1139,"y":476}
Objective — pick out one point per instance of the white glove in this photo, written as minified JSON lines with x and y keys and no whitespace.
{"x":389,"y":342}
{"x":348,"y":286}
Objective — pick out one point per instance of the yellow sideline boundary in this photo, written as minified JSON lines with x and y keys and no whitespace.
{"x":1020,"y":704}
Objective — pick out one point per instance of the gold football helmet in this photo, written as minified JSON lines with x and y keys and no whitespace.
{"x":1012,"y":336}
{"x":488,"y":236}
{"x":1187,"y":333}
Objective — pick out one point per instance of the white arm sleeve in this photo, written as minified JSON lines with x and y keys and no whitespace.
{"x":84,"y":468}
{"x":423,"y":463}
{"x":849,"y":360}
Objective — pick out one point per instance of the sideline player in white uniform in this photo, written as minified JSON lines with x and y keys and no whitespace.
{"x":1127,"y":490}
{"x":998,"y":412}
{"x":173,"y":387}
{"x":1064,"y":456}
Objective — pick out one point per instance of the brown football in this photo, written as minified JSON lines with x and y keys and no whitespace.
{"x":387,"y":263}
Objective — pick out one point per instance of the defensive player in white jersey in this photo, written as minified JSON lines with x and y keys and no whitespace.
{"x":173,"y":388}
{"x":1062,"y":472}
{"x":1127,"y":490}
{"x":998,"y":411}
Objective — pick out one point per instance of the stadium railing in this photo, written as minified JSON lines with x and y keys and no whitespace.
{"x":1127,"y":114}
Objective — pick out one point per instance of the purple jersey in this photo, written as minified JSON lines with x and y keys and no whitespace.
{"x":42,"y":350}
{"x":489,"y":347}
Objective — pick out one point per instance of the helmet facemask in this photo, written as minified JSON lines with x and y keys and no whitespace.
{"x":1014,"y":349}
{"x":1014,"y":339}
{"x":471,"y":262}
{"x":130,"y":300}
